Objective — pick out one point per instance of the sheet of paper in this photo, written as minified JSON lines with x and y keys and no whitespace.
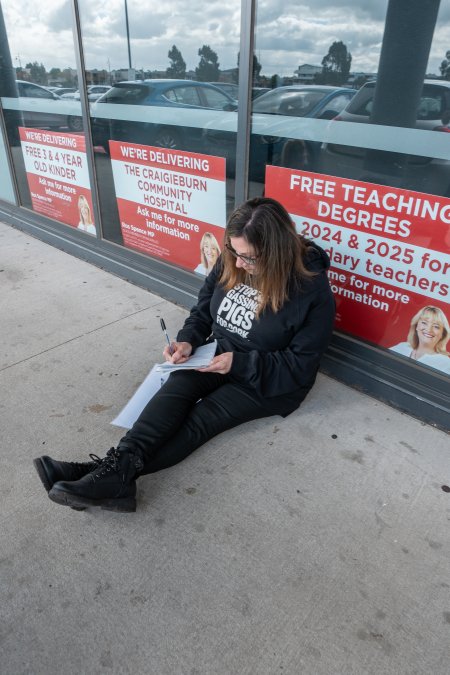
{"x":131,"y":411}
{"x":155,"y":380}
{"x":201,"y":357}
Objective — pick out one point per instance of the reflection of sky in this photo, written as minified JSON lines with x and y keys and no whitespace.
{"x":289,"y":33}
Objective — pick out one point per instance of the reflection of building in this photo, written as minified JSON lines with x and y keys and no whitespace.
{"x":193,"y":122}
{"x":229,"y":75}
{"x":306,"y":73}
{"x":357,"y":79}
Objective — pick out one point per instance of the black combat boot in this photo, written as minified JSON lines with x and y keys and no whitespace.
{"x":111,"y":484}
{"x":51,"y":471}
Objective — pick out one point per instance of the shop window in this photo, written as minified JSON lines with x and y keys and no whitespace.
{"x":352,"y":144}
{"x":163,"y":190}
{"x":45,"y":130}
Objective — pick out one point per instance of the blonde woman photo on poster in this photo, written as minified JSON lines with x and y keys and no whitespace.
{"x":209,"y":253}
{"x":427,"y":339}
{"x":86,"y":223}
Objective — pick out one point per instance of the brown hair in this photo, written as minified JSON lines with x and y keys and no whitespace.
{"x":438,"y":316}
{"x":266,"y":225}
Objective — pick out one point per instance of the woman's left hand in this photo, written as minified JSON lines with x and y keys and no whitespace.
{"x":220,"y":364}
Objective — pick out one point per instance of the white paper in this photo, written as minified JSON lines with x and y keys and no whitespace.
{"x":201,"y":357}
{"x":155,"y":380}
{"x":129,"y":414}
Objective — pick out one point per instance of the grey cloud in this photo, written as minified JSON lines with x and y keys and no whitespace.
{"x":287,"y":44}
{"x":370,"y":10}
{"x":444,"y":13}
{"x":60,"y":19}
{"x":287,"y":33}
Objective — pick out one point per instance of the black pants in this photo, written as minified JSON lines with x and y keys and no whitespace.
{"x":189,"y":409}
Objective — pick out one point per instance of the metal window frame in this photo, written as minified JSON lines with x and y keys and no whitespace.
{"x":246,"y":48}
{"x":82,"y":87}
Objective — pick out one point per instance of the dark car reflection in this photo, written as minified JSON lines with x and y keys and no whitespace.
{"x":164,"y":113}
{"x":415,"y":171}
{"x":232,"y":89}
{"x":276,"y":139}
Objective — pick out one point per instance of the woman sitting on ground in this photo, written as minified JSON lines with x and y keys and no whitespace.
{"x":269,"y":305}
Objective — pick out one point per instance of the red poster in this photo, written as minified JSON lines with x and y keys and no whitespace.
{"x":171,"y":203}
{"x":389,"y":252}
{"x":58,"y":176}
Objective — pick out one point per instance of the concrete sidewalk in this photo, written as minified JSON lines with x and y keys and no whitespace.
{"x":314,"y":545}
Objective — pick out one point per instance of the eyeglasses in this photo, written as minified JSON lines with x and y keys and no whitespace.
{"x":245,"y":258}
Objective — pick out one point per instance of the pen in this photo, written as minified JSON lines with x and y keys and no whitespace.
{"x":164,"y":330}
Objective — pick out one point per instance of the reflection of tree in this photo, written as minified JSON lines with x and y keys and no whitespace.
{"x":70,"y":77}
{"x":208,"y":68}
{"x":275,"y":81}
{"x":54,"y":74}
{"x":256,"y":69}
{"x":445,"y":66}
{"x":38,"y":74}
{"x":335,"y":65}
{"x":177,"y":68}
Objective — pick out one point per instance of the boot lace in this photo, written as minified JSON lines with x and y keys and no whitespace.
{"x":111,"y":463}
{"x":82,"y":465}
{"x":108,"y":463}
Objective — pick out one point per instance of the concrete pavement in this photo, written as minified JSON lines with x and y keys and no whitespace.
{"x":314,"y":545}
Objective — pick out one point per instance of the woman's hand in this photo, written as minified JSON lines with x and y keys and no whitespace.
{"x":220,"y":364}
{"x":178,"y":352}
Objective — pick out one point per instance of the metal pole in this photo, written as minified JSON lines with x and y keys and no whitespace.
{"x":248,"y":10}
{"x":128,"y":35}
{"x":407,"y":39}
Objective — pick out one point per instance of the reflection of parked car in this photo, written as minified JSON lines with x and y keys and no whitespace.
{"x":233,"y":89}
{"x":229,"y":88}
{"x":276,"y":139}
{"x":161,"y":109}
{"x":62,"y":90}
{"x":94,"y":91}
{"x":39,"y":106}
{"x":259,"y":91}
{"x":418,"y":172}
{"x":304,"y":101}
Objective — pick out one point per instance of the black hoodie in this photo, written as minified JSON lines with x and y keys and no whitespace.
{"x":275,"y":354}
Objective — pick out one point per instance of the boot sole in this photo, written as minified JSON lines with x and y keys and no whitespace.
{"x":121,"y":505}
{"x":39,"y":466}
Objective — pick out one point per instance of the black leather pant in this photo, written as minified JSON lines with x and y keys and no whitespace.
{"x":188,"y":410}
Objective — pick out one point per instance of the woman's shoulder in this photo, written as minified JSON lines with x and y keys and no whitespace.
{"x":439,"y":360}
{"x":315,"y":258}
{"x":200,"y":269}
{"x":402,"y":348}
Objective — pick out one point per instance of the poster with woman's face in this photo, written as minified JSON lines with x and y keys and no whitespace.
{"x":210,"y":251}
{"x":58,"y":177}
{"x":389,"y":253}
{"x":171,"y":203}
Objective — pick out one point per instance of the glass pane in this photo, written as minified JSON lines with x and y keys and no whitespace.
{"x":353,"y":139}
{"x":6,"y":187}
{"x":163,"y":187}
{"x":42,"y":116}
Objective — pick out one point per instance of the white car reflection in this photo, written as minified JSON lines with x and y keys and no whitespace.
{"x":40,"y":108}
